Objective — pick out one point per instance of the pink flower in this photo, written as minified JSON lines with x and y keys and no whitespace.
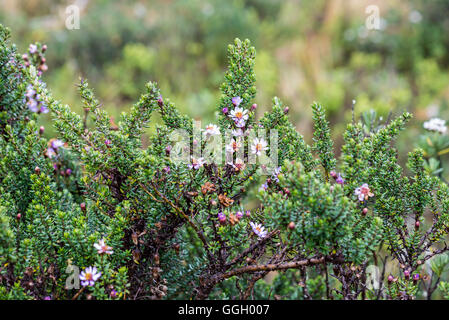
{"x":89,"y":276}
{"x":363,"y":192}
{"x":103,"y":248}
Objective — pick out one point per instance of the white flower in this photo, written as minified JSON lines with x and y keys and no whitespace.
{"x":103,"y":248}
{"x":258,"y":146}
{"x":89,"y":276}
{"x":435,"y":124}
{"x":234,"y":146}
{"x":258,"y":229}
{"x":237,"y":132}
{"x":196,"y":163}
{"x":238,"y":165}
{"x":211,"y":130}
{"x":239,"y":115}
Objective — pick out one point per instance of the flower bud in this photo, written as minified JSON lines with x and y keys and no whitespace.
{"x":19,"y":216}
{"x":37,"y":170}
{"x":253,"y":107}
{"x":417,"y":225}
{"x":167,"y":150}
{"x":407,"y":274}
{"x":248,"y":213}
{"x":291,"y":225}
{"x":224,"y":110}
{"x":286,"y":110}
{"x":333,"y":174}
{"x":239,"y":215}
{"x":113,"y":294}
{"x":44,"y":48}
{"x":365,"y":211}
{"x":68,"y":172}
{"x":221,"y":217}
{"x":160,"y":101}
{"x":41,"y":130}
{"x":83,"y":206}
{"x":390,"y":279}
{"x":416,"y":277}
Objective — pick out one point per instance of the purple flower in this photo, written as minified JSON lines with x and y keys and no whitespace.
{"x":47,"y":298}
{"x":276,"y":173}
{"x":416,"y":277}
{"x":263,"y":187}
{"x":239,"y":214}
{"x":221,"y":217}
{"x":55,"y":144}
{"x":236,"y":101}
{"x":33,"y":105}
{"x":107,"y":142}
{"x":43,"y":109}
{"x":166,"y":169}
{"x":340,"y":180}
{"x":224,"y":110}
{"x":32,"y":49}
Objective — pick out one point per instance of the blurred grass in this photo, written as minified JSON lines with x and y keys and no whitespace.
{"x":307,"y":51}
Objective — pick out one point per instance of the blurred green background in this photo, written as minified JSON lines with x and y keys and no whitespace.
{"x":309,"y":50}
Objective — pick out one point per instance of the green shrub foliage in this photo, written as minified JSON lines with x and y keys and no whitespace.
{"x":101,"y":200}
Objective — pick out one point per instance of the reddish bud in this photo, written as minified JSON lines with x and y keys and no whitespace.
{"x":19,"y":216}
{"x":417,"y":225}
{"x":41,"y":130}
{"x":365,"y":211}
{"x":291,"y":225}
{"x":83,"y":206}
{"x":407,"y":274}
{"x":390,"y":278}
{"x":37,"y":170}
{"x":167,"y":150}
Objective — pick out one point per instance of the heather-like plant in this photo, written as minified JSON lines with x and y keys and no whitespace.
{"x":151,"y":223}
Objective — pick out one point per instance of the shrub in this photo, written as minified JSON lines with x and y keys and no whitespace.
{"x":138,"y":223}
